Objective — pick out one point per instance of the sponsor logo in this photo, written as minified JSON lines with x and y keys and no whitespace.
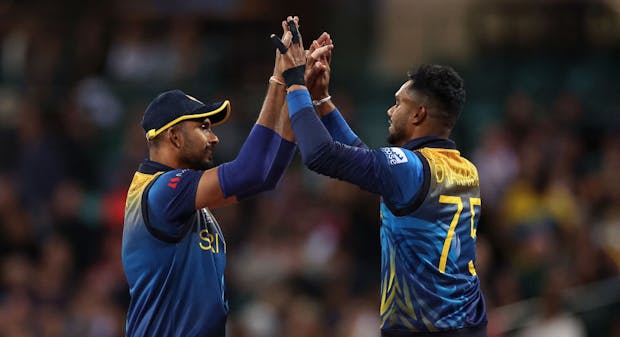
{"x":394,"y":155}
{"x":173,"y":182}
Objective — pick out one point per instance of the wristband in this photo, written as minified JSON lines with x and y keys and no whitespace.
{"x":295,"y":75}
{"x":277,"y":80}
{"x":321,"y":101}
{"x":298,"y":100}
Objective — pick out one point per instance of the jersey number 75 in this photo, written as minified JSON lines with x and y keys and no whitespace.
{"x":458,"y":201}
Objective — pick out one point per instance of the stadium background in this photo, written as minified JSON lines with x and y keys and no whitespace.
{"x":541,"y":122}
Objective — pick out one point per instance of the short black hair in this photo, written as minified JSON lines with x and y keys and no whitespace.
{"x":443,"y":86}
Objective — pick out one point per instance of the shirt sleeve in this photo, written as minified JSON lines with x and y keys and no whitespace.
{"x":395,"y":173}
{"x":392,"y":172}
{"x":172,"y":200}
{"x":406,"y":172}
{"x":340,"y":130}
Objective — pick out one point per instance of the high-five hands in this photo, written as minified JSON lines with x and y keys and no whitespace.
{"x":291,"y":57}
{"x":318,"y":59}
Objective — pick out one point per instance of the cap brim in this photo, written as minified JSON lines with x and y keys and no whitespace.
{"x":218,"y":113}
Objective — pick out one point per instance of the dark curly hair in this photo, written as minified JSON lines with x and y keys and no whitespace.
{"x":444,"y":87}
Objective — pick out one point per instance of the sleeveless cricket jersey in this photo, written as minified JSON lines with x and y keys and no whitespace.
{"x":428,"y":251}
{"x":174,"y":257}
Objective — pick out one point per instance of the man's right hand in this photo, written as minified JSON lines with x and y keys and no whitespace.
{"x":295,"y":54}
{"x":318,"y":60}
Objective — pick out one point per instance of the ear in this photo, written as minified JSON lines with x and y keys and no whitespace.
{"x":418,"y":115}
{"x":174,"y":136}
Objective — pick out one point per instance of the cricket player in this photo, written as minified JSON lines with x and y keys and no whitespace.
{"x":173,"y":251}
{"x":430,"y":195}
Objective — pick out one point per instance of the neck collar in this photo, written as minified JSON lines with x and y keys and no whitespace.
{"x":429,"y":141}
{"x":151,"y":167}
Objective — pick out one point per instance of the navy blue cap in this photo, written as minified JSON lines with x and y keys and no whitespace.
{"x":174,"y":106}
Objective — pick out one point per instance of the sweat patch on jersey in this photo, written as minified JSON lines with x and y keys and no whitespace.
{"x":394,"y":155}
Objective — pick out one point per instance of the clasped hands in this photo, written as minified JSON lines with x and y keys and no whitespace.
{"x":300,"y":67}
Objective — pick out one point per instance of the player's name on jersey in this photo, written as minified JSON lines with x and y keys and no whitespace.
{"x":461,"y":175}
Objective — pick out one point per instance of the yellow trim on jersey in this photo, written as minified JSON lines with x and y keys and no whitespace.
{"x":152,"y":133}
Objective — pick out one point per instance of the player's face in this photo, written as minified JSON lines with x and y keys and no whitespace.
{"x":198,"y":144}
{"x":398,"y":116}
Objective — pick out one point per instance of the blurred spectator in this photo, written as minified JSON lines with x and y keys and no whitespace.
{"x":608,"y":210}
{"x":360,"y":320}
{"x":138,"y":55}
{"x":102,"y":107}
{"x":39,"y":152}
{"x":551,"y":319}
{"x":497,"y":165}
{"x":304,"y":318}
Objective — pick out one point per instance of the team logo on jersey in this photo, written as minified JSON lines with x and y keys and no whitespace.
{"x":395,"y":155}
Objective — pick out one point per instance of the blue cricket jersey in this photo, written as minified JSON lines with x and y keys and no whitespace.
{"x":430,"y":208}
{"x":428,"y":251}
{"x":174,"y":257}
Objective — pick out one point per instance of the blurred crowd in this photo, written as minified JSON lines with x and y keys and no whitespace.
{"x":302,"y":260}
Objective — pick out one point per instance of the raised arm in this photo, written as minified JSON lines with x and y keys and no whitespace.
{"x":317,"y":76}
{"x":369,"y":169}
{"x":264,"y":156}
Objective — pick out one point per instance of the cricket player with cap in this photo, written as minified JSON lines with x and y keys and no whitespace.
{"x":173,"y":250}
